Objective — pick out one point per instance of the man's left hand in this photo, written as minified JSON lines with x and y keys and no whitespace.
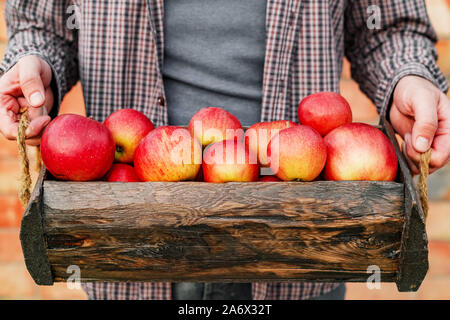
{"x":420,"y":114}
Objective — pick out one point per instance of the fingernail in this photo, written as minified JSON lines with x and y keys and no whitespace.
{"x":36,"y":99}
{"x":27,"y":132}
{"x":422,"y":144}
{"x":407,"y":137}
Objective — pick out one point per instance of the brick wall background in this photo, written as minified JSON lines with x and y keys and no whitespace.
{"x":15,"y":282}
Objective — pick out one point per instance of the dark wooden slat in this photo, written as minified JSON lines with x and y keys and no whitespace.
{"x":32,"y":237}
{"x":223,"y":232}
{"x":320,"y":200}
{"x":413,"y":265}
{"x":232,"y":273}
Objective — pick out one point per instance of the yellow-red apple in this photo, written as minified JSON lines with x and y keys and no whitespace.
{"x":297,"y":153}
{"x":168,"y":153}
{"x":229,"y":160}
{"x":128,"y":127}
{"x":257,"y":137}
{"x":324,"y":111}
{"x":77,"y":148}
{"x":358,"y":151}
{"x":212,"y":124}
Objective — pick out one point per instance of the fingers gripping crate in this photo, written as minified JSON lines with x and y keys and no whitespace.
{"x":196,"y":231}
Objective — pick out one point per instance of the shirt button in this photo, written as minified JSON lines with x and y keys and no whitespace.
{"x":161,"y":101}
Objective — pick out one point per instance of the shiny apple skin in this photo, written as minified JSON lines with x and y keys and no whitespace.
{"x":128,"y":127}
{"x":358,"y":151}
{"x":212,"y":124}
{"x":229,"y":161}
{"x":77,"y":148}
{"x":324,"y":111}
{"x":258,"y":136}
{"x":121,"y":172}
{"x":301,"y":154}
{"x":168,"y":153}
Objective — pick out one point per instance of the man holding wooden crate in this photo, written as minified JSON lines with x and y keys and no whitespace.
{"x":255,"y":58}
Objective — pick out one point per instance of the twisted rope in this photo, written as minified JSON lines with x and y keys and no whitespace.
{"x":25,"y":177}
{"x":422,"y":184}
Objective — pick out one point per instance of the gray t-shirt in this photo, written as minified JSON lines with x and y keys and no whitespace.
{"x":214,"y":56}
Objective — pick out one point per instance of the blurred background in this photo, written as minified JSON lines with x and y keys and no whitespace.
{"x":16,"y":283}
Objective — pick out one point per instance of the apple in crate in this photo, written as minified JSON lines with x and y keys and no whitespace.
{"x":257,"y":137}
{"x":358,"y":151}
{"x":77,"y":148}
{"x":297,"y":153}
{"x":122,"y":172}
{"x":228,"y":161}
{"x":128,"y":127}
{"x":269,"y":179}
{"x":212,"y":124}
{"x":324,"y":111}
{"x":168,"y":153}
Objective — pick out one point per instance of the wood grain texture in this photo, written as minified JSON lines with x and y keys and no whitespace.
{"x":32,"y":237}
{"x":159,"y":231}
{"x":413,"y":265}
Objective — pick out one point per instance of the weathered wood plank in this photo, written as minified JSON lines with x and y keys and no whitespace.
{"x":413,"y":265}
{"x":319,"y":200}
{"x":223,"y":232}
{"x":232,"y":273}
{"x":32,"y":237}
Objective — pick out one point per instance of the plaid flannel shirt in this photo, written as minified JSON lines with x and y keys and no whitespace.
{"x":117,"y":53}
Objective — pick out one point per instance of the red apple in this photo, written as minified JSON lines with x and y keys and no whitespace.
{"x":210,"y":125}
{"x":168,"y":153}
{"x":270,"y":179}
{"x":77,"y":148}
{"x":128,"y":128}
{"x":121,"y":172}
{"x":229,"y":160}
{"x":358,"y":151}
{"x":199,"y":177}
{"x":324,"y":111}
{"x":297,"y":153}
{"x":257,"y":137}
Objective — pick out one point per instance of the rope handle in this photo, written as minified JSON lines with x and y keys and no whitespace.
{"x":422,"y":183}
{"x":25,"y":177}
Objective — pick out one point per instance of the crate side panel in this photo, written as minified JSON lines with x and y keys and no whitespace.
{"x":209,"y":232}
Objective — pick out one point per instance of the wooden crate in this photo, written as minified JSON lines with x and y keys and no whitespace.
{"x":197,"y":231}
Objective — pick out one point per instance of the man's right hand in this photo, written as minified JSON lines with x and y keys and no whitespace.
{"x":26,"y":85}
